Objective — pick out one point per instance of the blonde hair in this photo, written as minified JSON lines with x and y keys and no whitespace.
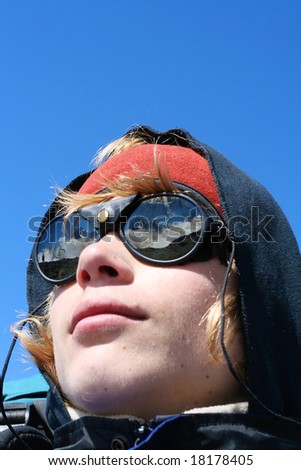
{"x":37,"y":339}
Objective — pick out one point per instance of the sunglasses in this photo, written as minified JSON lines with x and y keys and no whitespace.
{"x":163,"y":229}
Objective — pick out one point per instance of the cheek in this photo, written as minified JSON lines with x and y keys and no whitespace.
{"x":59,"y":323}
{"x":59,"y":312}
{"x":193,"y":296}
{"x":185,"y":310}
{"x":186,"y":301}
{"x":56,"y":328}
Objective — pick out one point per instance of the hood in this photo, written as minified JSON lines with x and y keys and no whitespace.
{"x":268,"y":263}
{"x":269,"y":271}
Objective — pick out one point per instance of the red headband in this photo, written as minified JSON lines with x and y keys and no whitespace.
{"x":184,"y":166}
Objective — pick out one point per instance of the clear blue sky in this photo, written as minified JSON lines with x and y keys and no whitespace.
{"x":77,"y":73}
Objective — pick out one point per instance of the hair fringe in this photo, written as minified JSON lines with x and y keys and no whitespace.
{"x":142,"y":183}
{"x":36,"y":338}
{"x":233,"y":329}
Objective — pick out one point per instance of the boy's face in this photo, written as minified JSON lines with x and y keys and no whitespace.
{"x":130,"y":338}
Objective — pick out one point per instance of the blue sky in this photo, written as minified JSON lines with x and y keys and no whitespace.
{"x":76,"y":74}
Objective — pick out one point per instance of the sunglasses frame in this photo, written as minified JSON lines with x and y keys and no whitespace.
{"x":204,"y":250}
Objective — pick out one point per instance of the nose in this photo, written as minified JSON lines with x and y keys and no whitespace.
{"x":106,"y":261}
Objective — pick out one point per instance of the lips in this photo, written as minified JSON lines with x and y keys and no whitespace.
{"x":105,"y":309}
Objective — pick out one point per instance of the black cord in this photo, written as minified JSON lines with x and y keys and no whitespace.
{"x":2,"y":407}
{"x":2,"y":378}
{"x":226,"y":354}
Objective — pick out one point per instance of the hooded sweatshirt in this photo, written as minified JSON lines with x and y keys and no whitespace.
{"x":268,"y":264}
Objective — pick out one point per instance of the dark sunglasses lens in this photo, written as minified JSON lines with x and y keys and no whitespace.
{"x":164,"y":228}
{"x":60,"y":245}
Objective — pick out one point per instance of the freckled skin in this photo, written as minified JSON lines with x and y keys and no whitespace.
{"x":158,"y":365}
